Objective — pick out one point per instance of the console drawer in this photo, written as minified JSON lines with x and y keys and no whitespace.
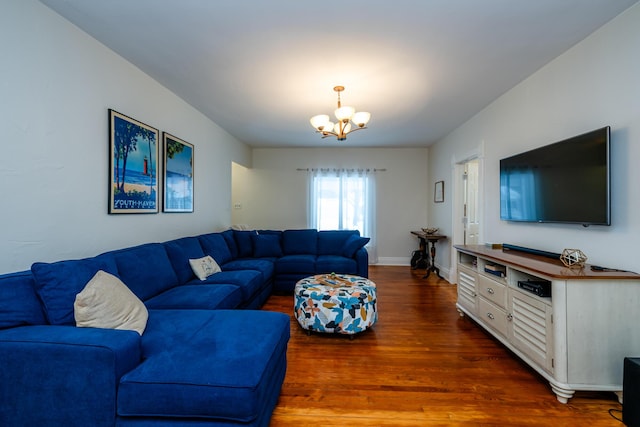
{"x":492,"y":316}
{"x":492,"y":290}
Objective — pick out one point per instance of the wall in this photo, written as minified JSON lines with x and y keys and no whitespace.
{"x":56,"y":86}
{"x":596,"y":83}
{"x":273,"y":193}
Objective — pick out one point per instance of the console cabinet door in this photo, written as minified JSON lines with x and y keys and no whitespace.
{"x":467,"y":293}
{"x":531,"y":328}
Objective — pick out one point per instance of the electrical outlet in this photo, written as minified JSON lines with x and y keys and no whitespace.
{"x":237,"y":206}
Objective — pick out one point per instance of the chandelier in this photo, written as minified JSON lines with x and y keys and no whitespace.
{"x":345,"y":115}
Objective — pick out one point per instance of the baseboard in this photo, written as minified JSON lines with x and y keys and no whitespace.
{"x":394,"y":261}
{"x":446,"y":274}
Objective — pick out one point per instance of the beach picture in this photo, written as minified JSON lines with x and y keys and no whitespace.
{"x":178,"y":174}
{"x":133,"y":183}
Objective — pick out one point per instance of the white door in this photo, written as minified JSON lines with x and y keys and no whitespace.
{"x":470,"y":218}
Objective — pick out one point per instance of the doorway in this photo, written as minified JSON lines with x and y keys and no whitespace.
{"x":470,"y":217}
{"x":467,"y":209}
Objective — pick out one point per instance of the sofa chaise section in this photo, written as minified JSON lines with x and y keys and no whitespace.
{"x":191,"y":371}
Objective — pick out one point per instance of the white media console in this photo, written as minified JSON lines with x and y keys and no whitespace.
{"x":576,"y":338}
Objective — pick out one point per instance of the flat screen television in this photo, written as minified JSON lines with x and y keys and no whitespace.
{"x":564,"y":182}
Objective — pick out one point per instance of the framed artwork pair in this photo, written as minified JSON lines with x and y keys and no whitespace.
{"x":134,"y":149}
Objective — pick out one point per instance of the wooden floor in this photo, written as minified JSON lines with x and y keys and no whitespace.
{"x":421,"y":365}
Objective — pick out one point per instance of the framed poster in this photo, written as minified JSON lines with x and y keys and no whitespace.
{"x":438,"y":193}
{"x":178,"y":174}
{"x":133,"y":165}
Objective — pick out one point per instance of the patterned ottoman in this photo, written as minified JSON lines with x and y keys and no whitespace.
{"x":335,"y":303}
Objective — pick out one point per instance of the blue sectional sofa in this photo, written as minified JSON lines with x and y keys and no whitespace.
{"x":200,"y":360}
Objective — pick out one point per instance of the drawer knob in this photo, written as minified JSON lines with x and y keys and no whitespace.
{"x":491,"y":291}
{"x":509,"y":317}
{"x":491,"y":316}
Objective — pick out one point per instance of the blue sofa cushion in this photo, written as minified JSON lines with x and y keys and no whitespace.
{"x":146,"y":269}
{"x":215,"y":245}
{"x":243,"y":242}
{"x":205,"y":297}
{"x":264,"y":266}
{"x":216,"y":364}
{"x":333,"y":263}
{"x":266,"y":245}
{"x":249,"y":281}
{"x":19,"y":304}
{"x":331,"y":242}
{"x":58,"y":283}
{"x":353,"y":244}
{"x":300,"y":242}
{"x":180,"y":251}
{"x":305,"y":264}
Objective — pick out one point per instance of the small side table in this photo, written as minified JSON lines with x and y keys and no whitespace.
{"x":425,"y":259}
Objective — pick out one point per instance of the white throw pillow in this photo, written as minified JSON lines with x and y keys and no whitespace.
{"x":106,"y":302}
{"x":204,"y":267}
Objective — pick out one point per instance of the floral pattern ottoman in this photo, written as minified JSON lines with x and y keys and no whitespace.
{"x":335,"y":303}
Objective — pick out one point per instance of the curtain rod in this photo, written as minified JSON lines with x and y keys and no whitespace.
{"x":339,"y":169}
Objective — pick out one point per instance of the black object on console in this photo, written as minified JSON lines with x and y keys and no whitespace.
{"x":507,"y":247}
{"x":541,"y":288}
{"x":631,"y":392}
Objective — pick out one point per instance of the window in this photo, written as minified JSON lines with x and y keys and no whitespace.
{"x":341,"y":199}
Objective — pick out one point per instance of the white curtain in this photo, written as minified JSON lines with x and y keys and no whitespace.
{"x":344,"y":199}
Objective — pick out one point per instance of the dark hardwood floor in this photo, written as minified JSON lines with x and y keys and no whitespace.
{"x":421,"y":365}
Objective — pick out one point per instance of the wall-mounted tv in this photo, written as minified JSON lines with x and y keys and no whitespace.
{"x":564,"y":182}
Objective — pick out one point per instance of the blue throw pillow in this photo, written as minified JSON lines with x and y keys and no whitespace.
{"x":19,"y":304}
{"x":231,"y":243}
{"x":215,"y":245}
{"x":300,"y":242}
{"x":180,"y":251}
{"x":353,"y":244}
{"x":243,"y":240}
{"x":266,"y":245}
{"x":58,"y":283}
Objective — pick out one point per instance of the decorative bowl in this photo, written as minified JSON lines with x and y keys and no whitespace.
{"x":430,"y":230}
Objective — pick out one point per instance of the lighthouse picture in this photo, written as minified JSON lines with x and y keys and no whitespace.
{"x":133,"y":186}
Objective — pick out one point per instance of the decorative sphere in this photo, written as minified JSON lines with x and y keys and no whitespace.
{"x":573,"y":258}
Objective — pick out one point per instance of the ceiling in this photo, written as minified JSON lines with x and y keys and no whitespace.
{"x":261,"y":69}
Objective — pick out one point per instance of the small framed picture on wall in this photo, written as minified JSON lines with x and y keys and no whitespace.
{"x":438,"y":193}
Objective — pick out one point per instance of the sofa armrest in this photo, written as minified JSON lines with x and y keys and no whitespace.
{"x":362,"y":261}
{"x":63,"y":375}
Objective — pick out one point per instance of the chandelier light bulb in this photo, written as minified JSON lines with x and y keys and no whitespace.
{"x":320,"y":121}
{"x":361,"y":118}
{"x":344,"y":113}
{"x":329,"y":126}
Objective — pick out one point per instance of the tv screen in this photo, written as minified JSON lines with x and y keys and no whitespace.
{"x":564,"y":182}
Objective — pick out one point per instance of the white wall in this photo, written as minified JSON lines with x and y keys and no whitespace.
{"x":56,"y":85}
{"x":596,"y":83}
{"x":273,"y":193}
